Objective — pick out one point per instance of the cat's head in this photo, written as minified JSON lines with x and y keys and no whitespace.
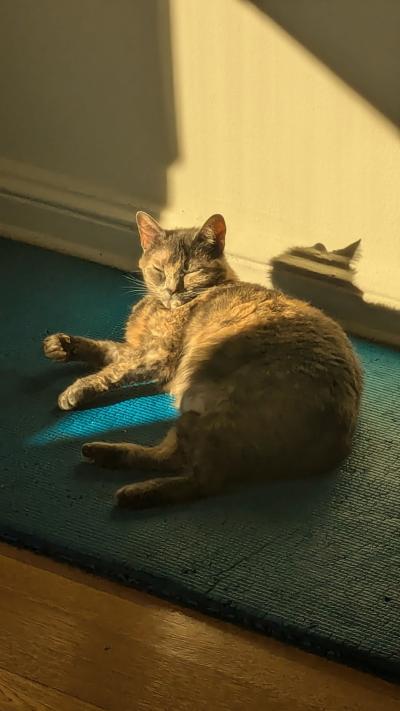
{"x":179,"y":264}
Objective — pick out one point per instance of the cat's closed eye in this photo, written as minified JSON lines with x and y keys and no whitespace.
{"x":158,"y":273}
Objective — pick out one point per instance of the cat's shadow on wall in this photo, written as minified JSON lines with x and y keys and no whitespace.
{"x":327,"y":280}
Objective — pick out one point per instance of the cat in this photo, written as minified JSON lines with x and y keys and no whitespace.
{"x":267,"y":386}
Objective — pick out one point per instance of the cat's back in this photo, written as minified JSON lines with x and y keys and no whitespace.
{"x":241,"y":306}
{"x":248,"y":323}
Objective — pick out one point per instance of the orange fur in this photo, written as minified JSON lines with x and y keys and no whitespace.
{"x":268,"y":386}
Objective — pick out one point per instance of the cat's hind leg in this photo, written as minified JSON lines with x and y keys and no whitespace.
{"x":187,"y":452}
{"x":159,"y":492}
{"x":164,"y":456}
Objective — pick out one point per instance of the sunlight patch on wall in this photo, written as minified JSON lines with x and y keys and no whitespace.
{"x":278,"y":143}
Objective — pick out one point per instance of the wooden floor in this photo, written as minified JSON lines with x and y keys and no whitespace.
{"x":71,"y":642}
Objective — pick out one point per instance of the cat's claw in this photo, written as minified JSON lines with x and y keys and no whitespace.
{"x":58,"y":347}
{"x":72,"y":397}
{"x":104,"y":454}
{"x":88,"y":452}
{"x":124,"y":497}
{"x":132,"y":496}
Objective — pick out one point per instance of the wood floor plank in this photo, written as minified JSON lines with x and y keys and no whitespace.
{"x":119,"y":649}
{"x":19,"y":694}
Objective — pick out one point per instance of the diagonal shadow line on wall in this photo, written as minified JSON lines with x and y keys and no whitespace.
{"x":359,"y":40}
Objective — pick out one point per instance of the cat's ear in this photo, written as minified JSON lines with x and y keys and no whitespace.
{"x":149,"y":229}
{"x":350,"y":251}
{"x":214,"y":231}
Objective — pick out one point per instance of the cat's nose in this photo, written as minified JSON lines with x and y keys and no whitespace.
{"x":174,"y":288}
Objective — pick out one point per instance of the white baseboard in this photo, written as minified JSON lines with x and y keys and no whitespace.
{"x":69,"y":233}
{"x":249,"y":270}
{"x":56,"y":212}
{"x":63,"y":191}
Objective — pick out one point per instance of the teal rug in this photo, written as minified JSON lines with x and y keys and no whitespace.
{"x":314,"y":563}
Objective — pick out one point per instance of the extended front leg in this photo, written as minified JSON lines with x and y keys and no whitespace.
{"x":64,"y":347}
{"x":112,"y":376}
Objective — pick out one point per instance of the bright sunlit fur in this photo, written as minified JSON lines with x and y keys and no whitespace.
{"x":267,"y":386}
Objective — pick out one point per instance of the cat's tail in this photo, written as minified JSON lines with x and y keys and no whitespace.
{"x":161,"y":492}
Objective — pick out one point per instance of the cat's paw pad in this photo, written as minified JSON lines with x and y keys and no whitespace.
{"x":58,"y":346}
{"x":129,"y":496}
{"x":142,"y":495}
{"x":112,"y":456}
{"x":71,"y":398}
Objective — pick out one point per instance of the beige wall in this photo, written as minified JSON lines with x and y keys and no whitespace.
{"x":257,"y":127}
{"x":86,"y":91}
{"x":271,"y":137}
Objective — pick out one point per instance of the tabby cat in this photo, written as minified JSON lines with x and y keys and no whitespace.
{"x":267,"y":386}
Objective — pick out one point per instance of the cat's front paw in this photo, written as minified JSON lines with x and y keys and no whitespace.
{"x":73,"y":397}
{"x":58,"y":346}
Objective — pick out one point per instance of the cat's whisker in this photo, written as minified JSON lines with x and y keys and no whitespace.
{"x":137,"y":287}
{"x":138,"y":290}
{"x":137,"y":283}
{"x":133,"y":279}
{"x":136,"y":293}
